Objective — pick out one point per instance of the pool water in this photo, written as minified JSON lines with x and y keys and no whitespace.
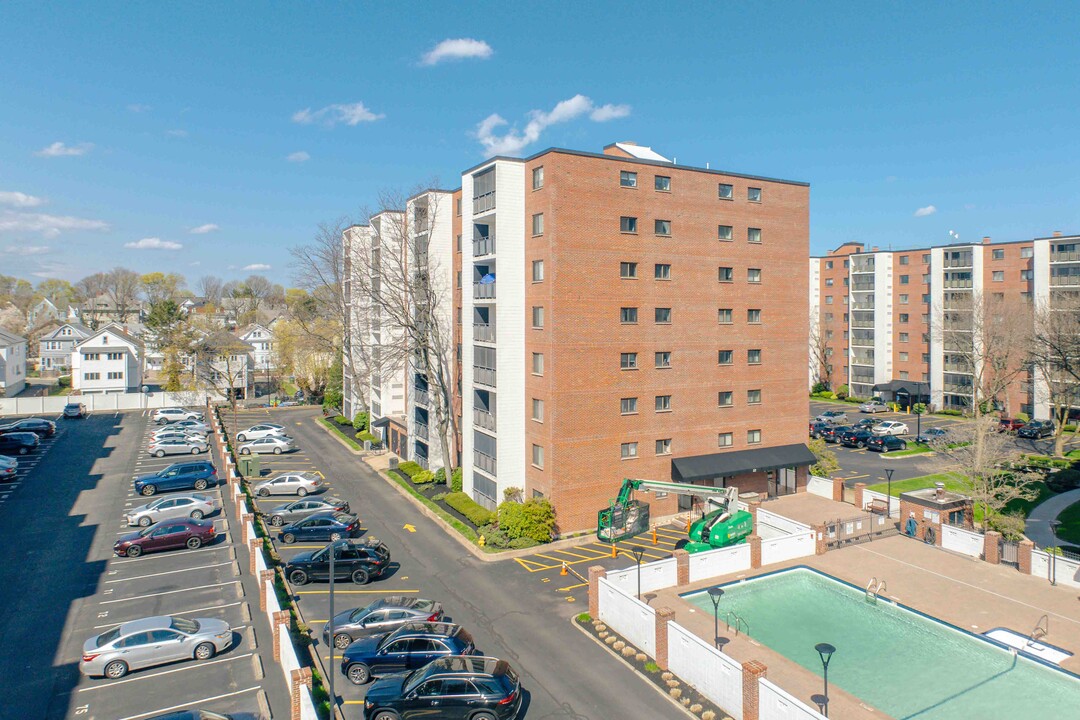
{"x":891,"y":658}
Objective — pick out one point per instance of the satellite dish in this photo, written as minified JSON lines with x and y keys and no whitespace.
{"x":146,"y":388}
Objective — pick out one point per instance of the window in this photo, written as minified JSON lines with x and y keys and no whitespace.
{"x":538,"y":456}
{"x":662,"y":271}
{"x":903,"y":259}
{"x":663,"y":359}
{"x":628,"y":270}
{"x":999,"y":254}
{"x":999,"y":276}
{"x":457,"y":207}
{"x":904,"y":279}
{"x":1027,"y":252}
{"x":903,"y":317}
{"x":1027,"y":274}
{"x":91,"y":356}
{"x":628,"y":224}
{"x":663,"y":227}
{"x":926,"y":357}
{"x":753,"y":275}
{"x":662,"y":183}
{"x":91,"y":376}
{"x":537,"y":270}
{"x":538,"y":363}
{"x":926,"y":279}
{"x":753,"y":194}
{"x":753,"y":316}
{"x":628,"y":179}
{"x":538,"y":178}
{"x":725,"y":398}
{"x":753,"y":437}
{"x":903,"y":299}
{"x":628,"y":315}
{"x":725,"y":232}
{"x":538,"y":224}
{"x":753,"y":397}
{"x":724,"y":316}
{"x":538,"y":410}
{"x":903,"y":357}
{"x":725,"y":274}
{"x":723,"y":440}
{"x":459,"y":286}
{"x":628,"y":406}
{"x":828,"y":264}
{"x":753,"y":235}
{"x":116,"y":376}
{"x":753,"y":357}
{"x":903,"y":337}
{"x":663,"y":403}
{"x":725,"y":357}
{"x":663,"y":316}
{"x":725,"y":191}
{"x":828,"y":299}
{"x":459,"y":243}
{"x":926,"y":259}
{"x":926,"y":298}
{"x":663,"y":447}
{"x":538,"y":317}
{"x":828,"y":282}
{"x":628,"y":361}
{"x":629,"y":450}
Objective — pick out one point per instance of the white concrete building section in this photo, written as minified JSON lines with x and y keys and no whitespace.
{"x":883,"y":319}
{"x":387,"y":372}
{"x":12,"y":364}
{"x":815,"y":317}
{"x":355,"y":240}
{"x":956,"y":285}
{"x":1056,"y":270}
{"x":109,"y":361}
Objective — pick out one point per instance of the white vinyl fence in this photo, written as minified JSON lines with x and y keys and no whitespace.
{"x":781,"y":523}
{"x":713,"y":563}
{"x":629,"y":617}
{"x":110,"y":402}
{"x":822,"y":487}
{"x":787,"y":548}
{"x":698,"y":663}
{"x":775,"y":704}
{"x":654,"y":576}
{"x":869,"y":496}
{"x":1067,"y":572}
{"x":962,"y":541}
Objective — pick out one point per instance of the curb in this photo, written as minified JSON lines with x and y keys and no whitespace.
{"x":928,"y":453}
{"x":337,"y":437}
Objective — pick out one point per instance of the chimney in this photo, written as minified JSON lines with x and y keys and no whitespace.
{"x":874,"y":249}
{"x":939,"y":491}
{"x":986,"y":240}
{"x":1057,"y":233}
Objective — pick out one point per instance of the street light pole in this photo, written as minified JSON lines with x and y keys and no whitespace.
{"x":888,"y":497}
{"x":1053,"y":529}
{"x":714,"y":594}
{"x":825,"y":652}
{"x":333,"y":697}
{"x":638,"y":553}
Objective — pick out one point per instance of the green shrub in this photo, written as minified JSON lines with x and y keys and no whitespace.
{"x":64,"y":381}
{"x":423,"y":477}
{"x":951,"y":412}
{"x":493,"y":537}
{"x":439,"y":496}
{"x":584,"y":617}
{"x":360,"y":422}
{"x":522,"y":542}
{"x":1063,"y":480}
{"x":534,"y":519}
{"x":468,"y":507}
{"x":440,"y":476}
{"x":409,"y":468}
{"x":828,"y":395}
{"x":1069,"y":428}
{"x":455,"y":480}
{"x":652,"y":667}
{"x":341,"y":420}
{"x":1023,"y":417}
{"x":842,"y":391}
{"x":365,"y":436}
{"x":918,"y":408}
{"x":819,"y":387}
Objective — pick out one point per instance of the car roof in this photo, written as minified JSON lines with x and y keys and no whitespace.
{"x":468,"y":665}
{"x":424,"y":629}
{"x":157,"y":622}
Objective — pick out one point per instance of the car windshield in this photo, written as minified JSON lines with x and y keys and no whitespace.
{"x":184,"y":625}
{"x":359,"y":614}
{"x":343,"y":518}
{"x":108,"y":636}
{"x":146,"y":531}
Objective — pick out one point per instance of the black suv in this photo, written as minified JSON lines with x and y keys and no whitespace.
{"x":353,"y":560}
{"x":41,"y":428}
{"x":855,"y":438}
{"x":833,"y":434}
{"x":18,"y":443}
{"x":1037,"y":429}
{"x":453,"y":687}
{"x":885,"y":443}
{"x":818,"y":429}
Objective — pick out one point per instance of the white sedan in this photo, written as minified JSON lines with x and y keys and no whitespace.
{"x":193,"y":506}
{"x":276,"y":444}
{"x":260,"y":431}
{"x":890,"y":427}
{"x":299,"y":483}
{"x":177,"y":446}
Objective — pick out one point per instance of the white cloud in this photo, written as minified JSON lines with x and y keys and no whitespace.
{"x":25,"y":250}
{"x":298,"y":157}
{"x":514,"y":141}
{"x":59,"y":149}
{"x":924,"y":211}
{"x":138,"y":108}
{"x":153,"y":243}
{"x":457,"y":49}
{"x":177,"y":133}
{"x":203,"y":229}
{"x":48,"y":225}
{"x":257,"y":266}
{"x":18,"y":199}
{"x":331,"y":115}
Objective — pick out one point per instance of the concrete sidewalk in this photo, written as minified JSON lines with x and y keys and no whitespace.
{"x":1037,"y":527}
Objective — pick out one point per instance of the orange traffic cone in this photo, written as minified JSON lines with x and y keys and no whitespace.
{"x":562,"y":571}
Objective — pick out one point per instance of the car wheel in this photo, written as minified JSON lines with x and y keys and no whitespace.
{"x":145,"y":521}
{"x":277,"y":451}
{"x":149,"y":490}
{"x":860,"y":445}
{"x":242,"y":437}
{"x":301,"y":492}
{"x":361,"y":577}
{"x":358,"y":673}
{"x":134,"y":551}
{"x":200,"y":484}
{"x":884,"y":449}
{"x":903,"y":446}
{"x":264,"y":492}
{"x":288,"y":538}
{"x":482,"y":716}
{"x":159,"y":453}
{"x":342,"y":641}
{"x":205,"y":651}
{"x":277,"y":520}
{"x":385,"y":715}
{"x":116,"y":669}
{"x":298,"y":577}
{"x":194,"y":543}
{"x":196,"y":514}
{"x":334,"y":537}
{"x":194,"y":451}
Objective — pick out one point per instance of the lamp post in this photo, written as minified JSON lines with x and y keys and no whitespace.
{"x":888,"y":496}
{"x":1053,"y":529}
{"x":331,"y":673}
{"x":714,"y":594}
{"x":825,"y":652}
{"x":638,"y":553}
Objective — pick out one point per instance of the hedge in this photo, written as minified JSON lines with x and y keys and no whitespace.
{"x":342,"y":420}
{"x":364,"y":436}
{"x":423,"y":477}
{"x":468,"y":507}
{"x":455,"y":480}
{"x":409,"y":468}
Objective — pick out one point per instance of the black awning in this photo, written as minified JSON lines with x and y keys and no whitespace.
{"x":736,"y":462}
{"x":381,"y":422}
{"x":908,"y":386}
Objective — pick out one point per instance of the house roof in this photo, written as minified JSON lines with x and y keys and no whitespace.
{"x":736,"y":462}
{"x":81,"y":330}
{"x":7,"y":339}
{"x":114,"y":329}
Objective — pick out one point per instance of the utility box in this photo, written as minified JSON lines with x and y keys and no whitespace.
{"x":249,"y":466}
{"x":393,"y":462}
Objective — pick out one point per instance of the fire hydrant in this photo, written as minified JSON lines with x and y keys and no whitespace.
{"x":481,"y":542}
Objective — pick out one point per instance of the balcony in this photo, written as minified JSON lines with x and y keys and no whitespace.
{"x":868,"y":324}
{"x":863,"y":305}
{"x":862,"y":380}
{"x":485,"y":463}
{"x":484,"y":419}
{"x":955,"y":389}
{"x":958,"y":283}
{"x":484,"y":333}
{"x":1065,"y":279}
{"x":957,"y":263}
{"x":421,"y":397}
{"x":957,"y":326}
{"x":960,"y":367}
{"x":420,"y":430}
{"x":483,"y":376}
{"x":484,"y":245}
{"x":1065,"y":256}
{"x":484,"y":291}
{"x":862,"y":286}
{"x":862,"y":267}
{"x":862,"y":360}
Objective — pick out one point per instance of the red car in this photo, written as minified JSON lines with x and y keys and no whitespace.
{"x":166,"y":535}
{"x":1009,"y":425}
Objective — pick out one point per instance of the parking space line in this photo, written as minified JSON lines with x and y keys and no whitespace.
{"x":190,"y":704}
{"x":173,"y":592}
{"x":193,"y":666}
{"x":182,"y":612}
{"x":177,"y":553}
{"x":168,"y":572}
{"x":354,"y":592}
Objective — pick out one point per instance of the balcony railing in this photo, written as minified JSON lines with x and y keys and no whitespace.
{"x":483,"y":246}
{"x":862,"y":380}
{"x":483,"y":291}
{"x":485,"y":463}
{"x":961,"y":263}
{"x":483,"y":419}
{"x":484,"y":333}
{"x":863,"y":305}
{"x":956,"y":389}
{"x":955,"y":283}
{"x":1065,"y":256}
{"x":868,"y":324}
{"x":1065,"y":279}
{"x":420,"y":430}
{"x":957,"y":326}
{"x":484,"y":376}
{"x":958,"y":367}
{"x":421,"y":397}
{"x":862,"y":286}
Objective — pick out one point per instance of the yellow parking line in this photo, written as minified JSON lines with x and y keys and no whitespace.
{"x":573,"y":554}
{"x":571,"y":587}
{"x":652,"y":555}
{"x":539,"y":568}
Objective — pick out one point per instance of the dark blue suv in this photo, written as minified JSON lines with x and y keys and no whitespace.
{"x":410,"y":647}
{"x":454,"y":687}
{"x":193,"y":474}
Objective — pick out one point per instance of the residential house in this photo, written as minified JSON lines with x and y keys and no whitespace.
{"x":42,"y":312}
{"x":107,"y":361}
{"x":12,"y":364}
{"x":228,"y":366}
{"x":261,"y":338}
{"x":54,"y":347}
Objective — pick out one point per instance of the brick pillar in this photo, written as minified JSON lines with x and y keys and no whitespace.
{"x":1023,"y":556}
{"x":300,"y":677}
{"x":820,"y":540}
{"x":838,"y":489}
{"x":859,"y":487}
{"x":682,"y":567}
{"x":281,"y":617}
{"x":595,"y":573}
{"x":264,"y":576}
{"x":254,"y":546}
{"x":937,"y":532}
{"x":244,"y":520}
{"x":239,"y":502}
{"x":752,"y":672}
{"x":755,"y":550}
{"x":663,"y":616}
{"x":992,"y":547}
{"x":753,"y":508}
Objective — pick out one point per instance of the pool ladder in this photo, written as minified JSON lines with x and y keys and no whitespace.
{"x":874,"y":588}
{"x":1041,"y":629}
{"x":739,"y":622}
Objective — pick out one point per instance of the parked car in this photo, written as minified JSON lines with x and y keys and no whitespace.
{"x":322,"y":526}
{"x":832,"y":434}
{"x":274,"y":444}
{"x":300,"y":509}
{"x":41,"y":428}
{"x":194,"y":506}
{"x":817,"y":429}
{"x":19,"y":443}
{"x":463,"y":687}
{"x":160,"y":447}
{"x":855,"y":438}
{"x":891,"y":427}
{"x":168,"y":535}
{"x":931,"y":435}
{"x":153,"y":641}
{"x":1009,"y":424}
{"x":874,"y":406}
{"x":410,"y":647}
{"x":194,"y":426}
{"x":380,"y":617}
{"x":353,"y":560}
{"x":74,"y":410}
{"x":294,"y":483}
{"x":1037,"y":429}
{"x":8,"y":467}
{"x":168,"y":415}
{"x":868,"y":423}
{"x":259,"y":431}
{"x":836,"y":417}
{"x":207,"y":715}
{"x":191,"y":475}
{"x":885,"y":443}
{"x":176,"y":435}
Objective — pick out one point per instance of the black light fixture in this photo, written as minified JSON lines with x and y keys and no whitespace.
{"x":825,"y":652}
{"x":888,"y":497}
{"x":715,"y":594}
{"x":638,"y":553}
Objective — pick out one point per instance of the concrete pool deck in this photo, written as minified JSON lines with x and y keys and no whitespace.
{"x":966,"y":592}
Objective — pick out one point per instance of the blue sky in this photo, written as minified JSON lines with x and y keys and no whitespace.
{"x":137,"y":123}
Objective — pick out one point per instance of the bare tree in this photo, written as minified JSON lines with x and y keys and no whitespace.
{"x":1055,"y":355}
{"x":222,"y":363}
{"x":122,"y":286}
{"x":158,"y":287}
{"x":256,"y":291}
{"x":209,"y":287}
{"x":820,"y":359}
{"x":89,"y":289}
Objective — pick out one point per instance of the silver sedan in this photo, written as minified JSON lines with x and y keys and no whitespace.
{"x":173,"y":434}
{"x":296,"y":483}
{"x":300,"y":509}
{"x":260,"y":431}
{"x":153,"y":641}
{"x":275,"y":444}
{"x":177,"y":446}
{"x":194,"y":506}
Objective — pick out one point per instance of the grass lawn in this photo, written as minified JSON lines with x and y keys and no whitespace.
{"x":289,"y":388}
{"x":1070,"y":524}
{"x":913,"y":448}
{"x":951,"y":480}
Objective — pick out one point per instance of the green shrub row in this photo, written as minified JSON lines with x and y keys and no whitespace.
{"x":409,"y":468}
{"x":360,"y":422}
{"x":951,"y":412}
{"x":342,"y":420}
{"x":365,"y":436}
{"x":424,"y":477}
{"x":468,"y":507}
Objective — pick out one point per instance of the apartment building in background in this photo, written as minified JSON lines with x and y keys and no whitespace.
{"x":1056,"y":275}
{"x":12,"y":364}
{"x":108,"y":361}
{"x":356,"y":383}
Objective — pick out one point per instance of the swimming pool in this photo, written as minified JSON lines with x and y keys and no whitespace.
{"x":895,"y":659}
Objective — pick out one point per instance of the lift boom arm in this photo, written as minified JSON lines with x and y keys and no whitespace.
{"x":728,"y":495}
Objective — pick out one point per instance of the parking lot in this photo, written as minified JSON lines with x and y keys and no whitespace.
{"x":74,"y":583}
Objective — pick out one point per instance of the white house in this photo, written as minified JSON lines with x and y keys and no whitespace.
{"x":108,"y":361}
{"x":12,"y":364}
{"x":43,"y":312}
{"x":261,"y":338}
{"x":55,"y":347}
{"x":229,"y":367}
